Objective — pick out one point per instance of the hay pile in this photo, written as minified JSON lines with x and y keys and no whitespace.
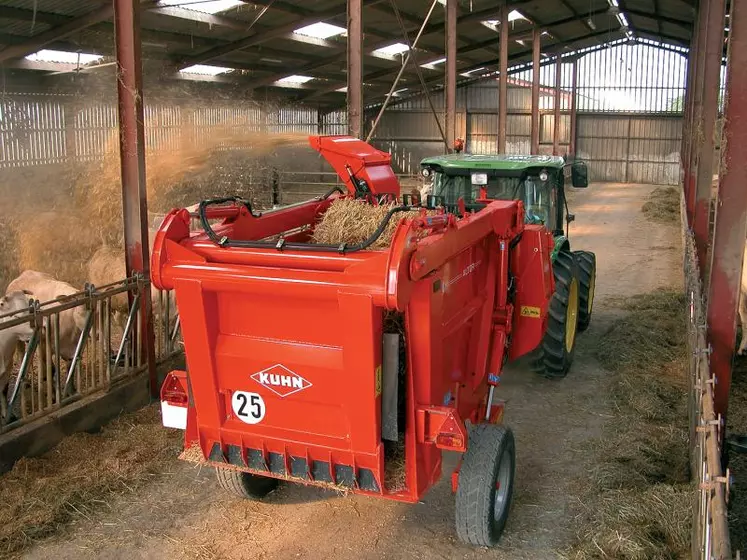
{"x":663,"y":205}
{"x":639,"y":503}
{"x":40,"y":496}
{"x":353,"y":221}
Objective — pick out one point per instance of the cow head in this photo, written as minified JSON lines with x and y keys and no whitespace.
{"x":15,"y":303}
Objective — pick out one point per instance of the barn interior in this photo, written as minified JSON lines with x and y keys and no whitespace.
{"x":112,"y":113}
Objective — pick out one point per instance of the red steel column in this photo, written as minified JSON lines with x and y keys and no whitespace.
{"x":451,"y":50}
{"x":132,"y":155}
{"x":714,"y":47}
{"x":355,"y":68}
{"x":503,"y":79}
{"x":556,"y":116}
{"x":696,"y":107}
{"x":730,"y":228}
{"x":536,"y":36}
{"x":687,"y":109}
{"x":574,"y":109}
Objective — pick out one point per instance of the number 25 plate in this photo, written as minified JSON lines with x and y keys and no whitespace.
{"x":248,"y":407}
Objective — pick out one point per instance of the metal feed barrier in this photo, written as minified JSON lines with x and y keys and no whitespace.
{"x":106,"y":351}
{"x":710,"y":527}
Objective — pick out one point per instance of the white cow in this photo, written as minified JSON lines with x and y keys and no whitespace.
{"x":13,"y":301}
{"x":43,"y":287}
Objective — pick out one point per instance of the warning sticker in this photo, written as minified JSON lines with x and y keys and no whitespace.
{"x":378,"y":381}
{"x":529,"y":311}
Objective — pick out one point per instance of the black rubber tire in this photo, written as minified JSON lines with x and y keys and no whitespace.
{"x":245,"y":485}
{"x":552,"y":358}
{"x":476,"y":521}
{"x":586,"y":266}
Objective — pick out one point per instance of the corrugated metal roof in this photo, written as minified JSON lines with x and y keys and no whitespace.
{"x":571,"y":24}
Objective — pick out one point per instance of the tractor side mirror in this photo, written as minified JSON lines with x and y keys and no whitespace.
{"x":579,"y":175}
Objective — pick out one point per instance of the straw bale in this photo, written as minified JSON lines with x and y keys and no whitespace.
{"x":353,"y":221}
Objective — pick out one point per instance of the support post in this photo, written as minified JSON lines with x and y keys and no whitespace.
{"x":132,"y":156}
{"x":556,"y":106}
{"x":355,"y":68}
{"x":714,"y":47}
{"x":730,"y":228}
{"x":451,"y":53}
{"x":574,"y":109}
{"x":536,"y":37}
{"x":687,"y":115}
{"x":696,"y":108}
{"x":503,"y":79}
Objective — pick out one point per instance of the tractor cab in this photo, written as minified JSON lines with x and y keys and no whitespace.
{"x":538,"y":181}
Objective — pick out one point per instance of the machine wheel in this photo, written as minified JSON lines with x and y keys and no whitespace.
{"x":245,"y":485}
{"x":586,"y":263}
{"x":486,"y":484}
{"x":554,"y":355}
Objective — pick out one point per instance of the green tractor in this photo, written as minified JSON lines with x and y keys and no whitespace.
{"x":539,"y":182}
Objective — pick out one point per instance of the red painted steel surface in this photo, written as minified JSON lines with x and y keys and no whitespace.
{"x":730,"y":227}
{"x":714,"y":47}
{"x":132,"y":155}
{"x":365,"y":161}
{"x":303,"y":331}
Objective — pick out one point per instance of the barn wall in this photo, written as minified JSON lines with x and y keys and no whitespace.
{"x":631,"y":148}
{"x":640,"y":148}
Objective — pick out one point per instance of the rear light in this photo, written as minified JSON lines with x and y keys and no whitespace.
{"x":452,"y":441}
{"x":174,"y":401}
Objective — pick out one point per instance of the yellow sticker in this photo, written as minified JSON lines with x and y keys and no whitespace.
{"x":378,"y":381}
{"x":529,"y":311}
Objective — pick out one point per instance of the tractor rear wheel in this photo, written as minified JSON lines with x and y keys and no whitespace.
{"x":245,"y":485}
{"x":554,"y":355}
{"x":486,"y":483}
{"x":586,"y":263}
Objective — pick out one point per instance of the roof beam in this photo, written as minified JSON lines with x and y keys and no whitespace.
{"x":20,"y":14}
{"x":199,"y":17}
{"x":549,"y":25}
{"x":266,"y":34}
{"x":684,"y":24}
{"x":657,"y":11}
{"x":37,"y":42}
{"x":514,"y":58}
{"x":416,"y":20}
{"x":575,"y":13}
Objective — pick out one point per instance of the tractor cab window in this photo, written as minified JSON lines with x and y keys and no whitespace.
{"x":540,"y":201}
{"x":453,"y":187}
{"x":539,"y":197}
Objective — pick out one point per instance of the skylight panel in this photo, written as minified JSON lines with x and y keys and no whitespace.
{"x":469,"y":73}
{"x":494,"y":24}
{"x":294,"y":79}
{"x":204,"y":6}
{"x":47,"y":55}
{"x":434,"y":63}
{"x":391,"y":50}
{"x":205,"y":70}
{"x":321,"y":30}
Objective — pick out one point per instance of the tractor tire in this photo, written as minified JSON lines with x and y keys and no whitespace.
{"x":586,"y":263}
{"x":554,"y":356}
{"x":245,"y":485}
{"x":486,"y":483}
